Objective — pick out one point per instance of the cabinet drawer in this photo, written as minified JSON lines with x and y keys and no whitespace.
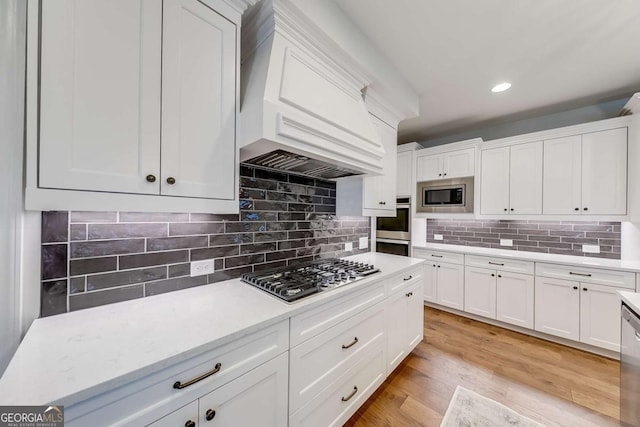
{"x":140,"y":401}
{"x":590,"y":275}
{"x":406,"y":278}
{"x":502,"y":264}
{"x":440,"y":256}
{"x":323,"y":359}
{"x":336,"y":403}
{"x":312,"y":322}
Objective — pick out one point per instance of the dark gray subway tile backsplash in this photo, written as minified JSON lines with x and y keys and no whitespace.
{"x":97,"y":258}
{"x":553,"y":237}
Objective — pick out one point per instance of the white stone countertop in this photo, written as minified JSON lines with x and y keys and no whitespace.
{"x":615,"y":264}
{"x":67,"y":358}
{"x":632,"y":299}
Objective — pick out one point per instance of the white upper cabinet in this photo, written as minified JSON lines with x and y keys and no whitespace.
{"x":380,"y":190}
{"x":100,"y":95}
{"x":371,"y":195}
{"x":525,"y":179}
{"x":198,"y":101}
{"x":604,"y":172}
{"x":562,"y":175}
{"x":511,"y":180}
{"x":404,"y":168}
{"x":454,"y":164}
{"x":586,"y":174}
{"x":494,"y":181}
{"x":137,"y":100}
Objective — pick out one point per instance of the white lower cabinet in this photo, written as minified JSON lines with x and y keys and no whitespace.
{"x":450,"y":285}
{"x":514,"y":299}
{"x":558,"y":308}
{"x":334,"y":405}
{"x":480,"y":292}
{"x":258,"y":397}
{"x":343,"y":350}
{"x":500,"y":295}
{"x":404,"y":319}
{"x":579,"y":311}
{"x":600,"y":316}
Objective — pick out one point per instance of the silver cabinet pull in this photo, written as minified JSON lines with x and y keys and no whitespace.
{"x":354,"y":342}
{"x":353,"y":393}
{"x":179,"y":386}
{"x":497,"y":263}
{"x":408,"y":278}
{"x":437,"y":256}
{"x":580,"y":274}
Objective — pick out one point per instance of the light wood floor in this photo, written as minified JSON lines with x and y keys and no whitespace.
{"x":550,"y":383}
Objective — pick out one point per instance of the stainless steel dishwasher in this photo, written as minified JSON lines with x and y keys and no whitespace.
{"x":630,"y":368}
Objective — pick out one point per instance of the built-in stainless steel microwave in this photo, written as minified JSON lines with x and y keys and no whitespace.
{"x":453,"y":195}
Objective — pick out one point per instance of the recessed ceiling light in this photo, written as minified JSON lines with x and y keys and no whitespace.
{"x":501,"y":87}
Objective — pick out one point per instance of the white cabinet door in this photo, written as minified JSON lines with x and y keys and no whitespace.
{"x":198,"y":102}
{"x":494,"y":181}
{"x":557,"y":307}
{"x":380,"y":191}
{"x":515,"y":299}
{"x":415,"y":316}
{"x":396,"y":319}
{"x":450,"y":285}
{"x":480,"y":291}
{"x":429,"y":288}
{"x":181,"y":417}
{"x":100,"y":95}
{"x":562,"y":176}
{"x":428,"y":167}
{"x":525,"y":179}
{"x":459,"y":163}
{"x":604,"y":172}
{"x":404,"y":177}
{"x":257,"y":398}
{"x":600,"y":316}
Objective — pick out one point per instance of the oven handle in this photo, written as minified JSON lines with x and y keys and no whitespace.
{"x":397,"y":242}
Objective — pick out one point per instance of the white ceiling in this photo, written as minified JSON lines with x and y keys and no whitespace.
{"x":558,"y":54}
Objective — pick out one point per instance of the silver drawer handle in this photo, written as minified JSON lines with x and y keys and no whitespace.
{"x":353,"y":393}
{"x":179,"y":386}
{"x":437,"y":256}
{"x":580,"y":274}
{"x":496,"y":263}
{"x":354,"y":342}
{"x":408,"y":278}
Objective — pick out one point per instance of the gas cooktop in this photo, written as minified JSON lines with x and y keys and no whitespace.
{"x":294,"y":282}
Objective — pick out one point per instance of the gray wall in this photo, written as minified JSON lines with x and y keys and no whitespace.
{"x":576,"y":116}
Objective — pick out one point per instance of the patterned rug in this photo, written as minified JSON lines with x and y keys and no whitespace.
{"x":469,"y":409}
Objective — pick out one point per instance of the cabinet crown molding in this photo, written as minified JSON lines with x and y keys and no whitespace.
{"x":240,"y":5}
{"x":282,"y":16}
{"x":578,"y":129}
{"x":453,"y":146}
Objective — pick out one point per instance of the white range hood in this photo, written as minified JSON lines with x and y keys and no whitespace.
{"x":302,"y":106}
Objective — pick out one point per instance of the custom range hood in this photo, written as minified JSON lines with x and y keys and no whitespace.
{"x":302,"y":107}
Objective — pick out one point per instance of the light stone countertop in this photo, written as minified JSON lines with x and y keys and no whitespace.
{"x":632,"y":299}
{"x":67,"y":358}
{"x":615,"y":264}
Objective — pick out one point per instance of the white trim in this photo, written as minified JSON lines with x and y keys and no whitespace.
{"x":632,"y":106}
{"x":382,"y":108}
{"x":409,"y":146}
{"x":453,"y":146}
{"x":582,"y":128}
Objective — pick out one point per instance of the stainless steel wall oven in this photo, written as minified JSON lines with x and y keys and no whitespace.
{"x":393,"y":234}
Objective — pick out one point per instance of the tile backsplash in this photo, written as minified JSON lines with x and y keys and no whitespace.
{"x":97,"y":258}
{"x":553,"y":237}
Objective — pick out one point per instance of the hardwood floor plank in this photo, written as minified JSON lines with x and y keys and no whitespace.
{"x":548,"y":382}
